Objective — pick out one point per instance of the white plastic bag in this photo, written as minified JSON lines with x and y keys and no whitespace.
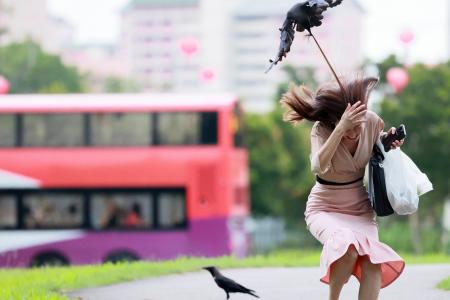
{"x":404,"y":181}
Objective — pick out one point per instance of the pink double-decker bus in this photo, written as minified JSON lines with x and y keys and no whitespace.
{"x":95,"y":178}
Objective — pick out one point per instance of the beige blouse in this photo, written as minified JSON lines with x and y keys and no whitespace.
{"x":345,"y":167}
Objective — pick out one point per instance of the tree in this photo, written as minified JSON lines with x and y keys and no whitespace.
{"x":383,"y":67}
{"x":298,"y":76}
{"x":279,"y":159}
{"x":424,"y":107}
{"x":30,"y":70}
{"x":119,"y":85}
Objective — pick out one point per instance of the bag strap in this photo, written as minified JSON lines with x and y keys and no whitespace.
{"x":376,"y":151}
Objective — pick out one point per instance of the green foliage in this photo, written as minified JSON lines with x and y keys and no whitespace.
{"x":56,"y":87}
{"x":424,"y":107}
{"x":297,"y":76}
{"x":119,"y":85}
{"x":279,"y":166}
{"x":280,"y":173}
{"x":445,"y":284}
{"x":397,"y":234}
{"x":30,"y":70}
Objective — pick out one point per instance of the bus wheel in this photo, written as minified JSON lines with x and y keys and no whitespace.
{"x":49,"y":259}
{"x":121,"y":256}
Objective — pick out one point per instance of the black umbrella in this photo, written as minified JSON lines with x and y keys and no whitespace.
{"x":303,"y":16}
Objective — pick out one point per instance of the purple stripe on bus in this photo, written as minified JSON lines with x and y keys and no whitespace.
{"x":209,"y":238}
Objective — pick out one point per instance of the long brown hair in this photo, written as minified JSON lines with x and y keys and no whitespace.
{"x":328,"y":103}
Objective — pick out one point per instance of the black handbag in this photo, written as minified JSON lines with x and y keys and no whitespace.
{"x":377,"y":184}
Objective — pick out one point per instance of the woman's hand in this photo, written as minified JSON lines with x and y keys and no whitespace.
{"x":395,"y":144}
{"x":353,"y":116}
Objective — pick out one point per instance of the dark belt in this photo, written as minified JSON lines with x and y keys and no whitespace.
{"x":323,"y":181}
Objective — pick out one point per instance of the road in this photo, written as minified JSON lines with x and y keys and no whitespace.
{"x":416,"y":283}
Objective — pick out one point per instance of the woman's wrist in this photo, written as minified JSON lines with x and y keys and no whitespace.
{"x":339,"y":129}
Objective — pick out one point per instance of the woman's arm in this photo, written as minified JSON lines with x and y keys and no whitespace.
{"x":353,"y":116}
{"x":323,"y":153}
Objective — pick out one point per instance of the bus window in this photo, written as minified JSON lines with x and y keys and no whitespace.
{"x":241,"y":195}
{"x":121,"y":129}
{"x":237,"y":126}
{"x":53,"y":130}
{"x":8,"y":211}
{"x":7,"y":130}
{"x":121,"y":210}
{"x":52,"y":210}
{"x":171,"y":209}
{"x":178,"y":128}
{"x":209,"y":128}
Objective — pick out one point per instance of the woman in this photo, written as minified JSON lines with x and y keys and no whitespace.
{"x":338,"y":213}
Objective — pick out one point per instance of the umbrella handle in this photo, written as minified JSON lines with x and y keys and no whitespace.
{"x":344,"y":94}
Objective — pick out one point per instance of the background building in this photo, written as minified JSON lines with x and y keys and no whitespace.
{"x":214,"y":45}
{"x":152,"y":31}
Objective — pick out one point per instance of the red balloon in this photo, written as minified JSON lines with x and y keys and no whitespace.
{"x":4,"y":85}
{"x":398,"y":78}
{"x":208,"y":75}
{"x":407,"y":36}
{"x":189,"y":46}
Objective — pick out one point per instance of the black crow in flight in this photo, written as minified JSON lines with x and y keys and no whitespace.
{"x":228,"y":285}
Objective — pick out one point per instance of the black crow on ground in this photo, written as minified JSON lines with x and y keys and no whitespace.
{"x":228,"y":285}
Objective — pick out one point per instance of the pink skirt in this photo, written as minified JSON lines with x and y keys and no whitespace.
{"x":355,"y":225}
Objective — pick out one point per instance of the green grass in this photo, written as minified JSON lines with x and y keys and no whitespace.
{"x":426,"y":259}
{"x":445,"y":284}
{"x":52,"y":283}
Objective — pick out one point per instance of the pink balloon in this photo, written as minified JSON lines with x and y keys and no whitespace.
{"x":4,"y":85}
{"x":407,"y":36}
{"x":398,"y":78}
{"x":189,"y":46}
{"x":208,"y":75}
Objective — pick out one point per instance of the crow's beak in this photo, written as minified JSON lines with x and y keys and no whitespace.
{"x":209,"y":269}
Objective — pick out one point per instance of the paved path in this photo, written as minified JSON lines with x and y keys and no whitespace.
{"x":416,"y":283}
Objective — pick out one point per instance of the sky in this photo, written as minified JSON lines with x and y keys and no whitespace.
{"x":97,"y":21}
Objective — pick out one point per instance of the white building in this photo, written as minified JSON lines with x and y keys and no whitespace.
{"x":25,"y":19}
{"x":232,"y":40}
{"x":59,"y":35}
{"x":151,"y":33}
{"x":4,"y":19}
